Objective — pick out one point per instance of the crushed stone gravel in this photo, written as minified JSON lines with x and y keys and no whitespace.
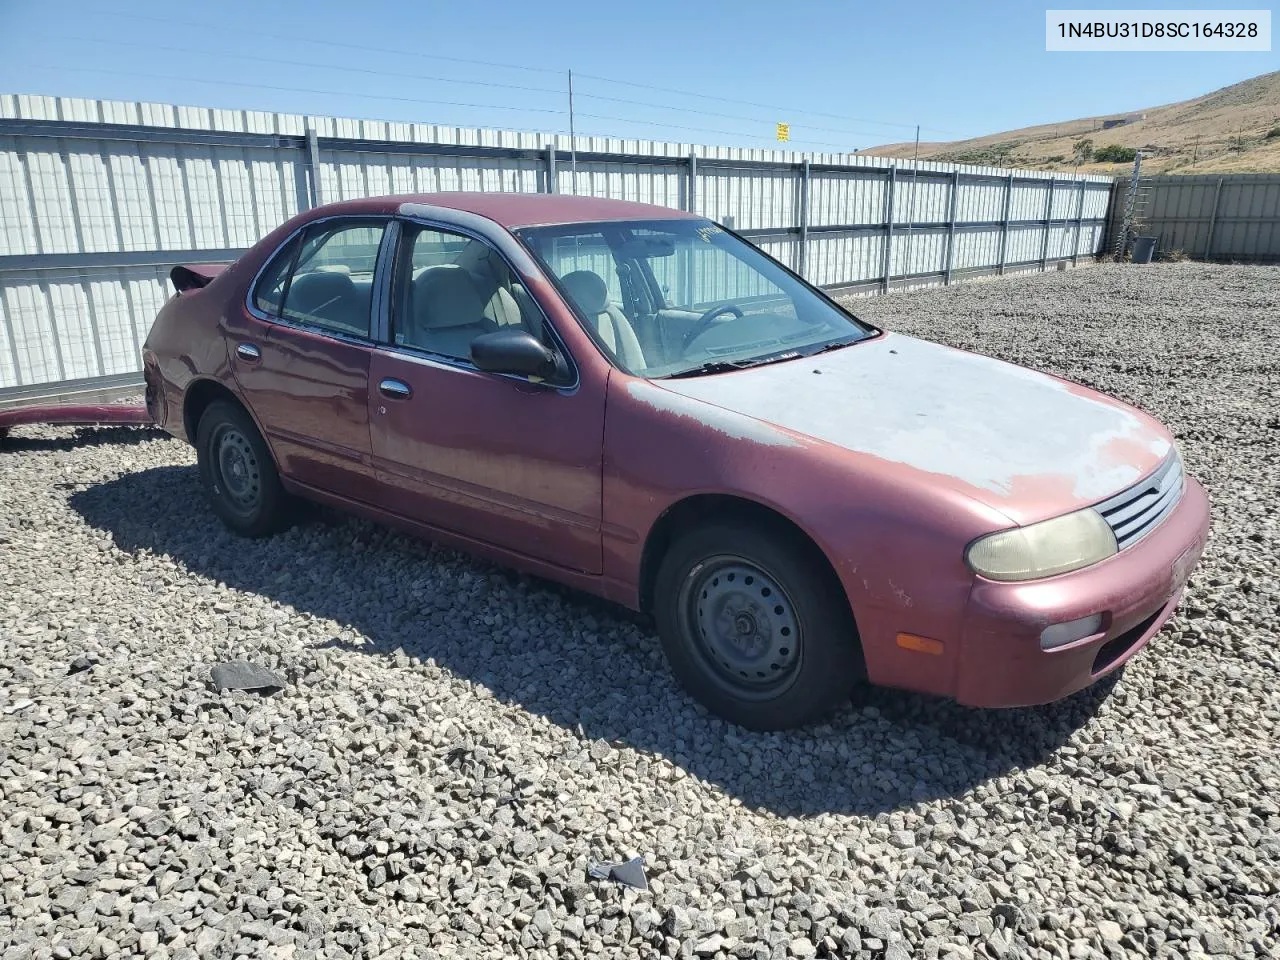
{"x":454,"y":743}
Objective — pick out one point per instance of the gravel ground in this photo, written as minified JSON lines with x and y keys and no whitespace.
{"x":455,"y":742}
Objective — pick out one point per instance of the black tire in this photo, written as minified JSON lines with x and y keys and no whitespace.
{"x":792,"y":654}
{"x":237,"y":472}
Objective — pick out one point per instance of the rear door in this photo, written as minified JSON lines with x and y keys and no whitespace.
{"x":495,"y":458}
{"x":302,"y":356}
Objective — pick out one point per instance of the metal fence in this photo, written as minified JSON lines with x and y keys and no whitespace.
{"x":99,"y":198}
{"x":1232,"y":217}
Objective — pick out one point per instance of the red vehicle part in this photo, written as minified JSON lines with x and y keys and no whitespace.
{"x":71,"y":414}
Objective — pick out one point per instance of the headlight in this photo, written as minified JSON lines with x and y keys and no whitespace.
{"x":1043,"y":549}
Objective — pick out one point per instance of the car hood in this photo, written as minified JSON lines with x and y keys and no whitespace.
{"x":1024,"y":443}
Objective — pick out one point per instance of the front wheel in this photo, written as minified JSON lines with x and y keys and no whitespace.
{"x":756,"y":626}
{"x":237,"y":471}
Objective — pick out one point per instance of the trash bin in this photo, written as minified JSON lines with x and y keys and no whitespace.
{"x":1144,"y":248}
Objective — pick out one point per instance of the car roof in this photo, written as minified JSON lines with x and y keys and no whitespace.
{"x":513,"y":210}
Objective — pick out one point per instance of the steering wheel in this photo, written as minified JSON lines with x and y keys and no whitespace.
{"x":703,"y":322}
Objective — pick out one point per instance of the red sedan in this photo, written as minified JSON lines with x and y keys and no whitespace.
{"x":638,"y":403}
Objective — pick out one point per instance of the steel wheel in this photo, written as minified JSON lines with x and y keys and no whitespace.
{"x":745,"y":627}
{"x":239,"y":473}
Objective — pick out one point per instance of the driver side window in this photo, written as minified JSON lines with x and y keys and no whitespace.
{"x":450,"y":289}
{"x":591,"y":274}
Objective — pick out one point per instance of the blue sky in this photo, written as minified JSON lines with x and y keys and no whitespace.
{"x":843,"y":74}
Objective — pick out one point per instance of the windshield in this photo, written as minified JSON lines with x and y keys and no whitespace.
{"x":686,"y":297}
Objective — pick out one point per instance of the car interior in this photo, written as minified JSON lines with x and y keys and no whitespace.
{"x":459,"y":288}
{"x":332,"y":297}
{"x":621,"y":282}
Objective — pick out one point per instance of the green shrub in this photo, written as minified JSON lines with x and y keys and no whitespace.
{"x":1114,"y":153}
{"x":1273,"y":133}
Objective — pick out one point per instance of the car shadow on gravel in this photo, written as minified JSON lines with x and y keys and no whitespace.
{"x":80,"y":438}
{"x":600,"y":672}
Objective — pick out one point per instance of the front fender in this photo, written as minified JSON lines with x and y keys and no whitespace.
{"x":894,"y":537}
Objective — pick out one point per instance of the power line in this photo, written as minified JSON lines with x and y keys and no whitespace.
{"x":715,"y":113}
{"x":312,"y":64}
{"x":327,"y":93}
{"x":419,"y":100}
{"x":764,"y":106}
{"x":481,"y":83}
{"x":843,"y":148}
{"x":169,"y":22}
{"x":513,"y":66}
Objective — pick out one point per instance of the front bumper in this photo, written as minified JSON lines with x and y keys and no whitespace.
{"x":1001,"y":663}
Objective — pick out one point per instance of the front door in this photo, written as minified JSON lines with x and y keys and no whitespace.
{"x":302,"y":353}
{"x":510,"y":463}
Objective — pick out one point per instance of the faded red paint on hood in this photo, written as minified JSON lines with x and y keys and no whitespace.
{"x":1024,"y":443}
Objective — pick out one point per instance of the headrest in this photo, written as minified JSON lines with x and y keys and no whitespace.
{"x":446,"y":297}
{"x":588,"y":290}
{"x":311,"y":291}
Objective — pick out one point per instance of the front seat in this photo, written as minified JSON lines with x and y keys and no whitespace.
{"x":591,"y":295}
{"x":491,"y":275}
{"x":447,"y":313}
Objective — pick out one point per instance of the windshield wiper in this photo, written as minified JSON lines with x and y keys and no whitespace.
{"x":714,"y":366}
{"x":723,"y":366}
{"x":835,"y":345}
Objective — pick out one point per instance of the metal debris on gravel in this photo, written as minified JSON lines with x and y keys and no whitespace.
{"x":243,"y":675}
{"x":630,"y":873}
{"x":435,"y":785}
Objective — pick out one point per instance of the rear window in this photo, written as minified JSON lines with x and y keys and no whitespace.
{"x":323,"y":278}
{"x":269,"y":295}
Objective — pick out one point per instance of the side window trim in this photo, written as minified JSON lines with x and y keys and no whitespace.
{"x":376,"y":321}
{"x":383,"y":275}
{"x":288,"y":279}
{"x":404,"y":256}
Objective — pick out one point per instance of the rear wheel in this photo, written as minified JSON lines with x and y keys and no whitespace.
{"x":237,"y":472}
{"x":755,"y":626}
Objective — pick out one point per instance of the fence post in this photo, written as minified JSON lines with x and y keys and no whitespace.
{"x":1075,"y":246}
{"x":551,"y":167}
{"x":1048,"y":228}
{"x":691,"y":195}
{"x":1213,"y":219}
{"x":313,"y":161}
{"x":803,"y":259}
{"x":951,"y":227}
{"x":1004,"y":221}
{"x":888,"y":229}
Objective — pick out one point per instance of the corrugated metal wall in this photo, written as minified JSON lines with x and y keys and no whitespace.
{"x":1235,"y":217}
{"x":99,"y":198}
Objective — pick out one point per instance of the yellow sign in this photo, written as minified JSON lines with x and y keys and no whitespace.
{"x":784,"y":132}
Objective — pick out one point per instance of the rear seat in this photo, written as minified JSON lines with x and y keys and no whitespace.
{"x":333,"y":298}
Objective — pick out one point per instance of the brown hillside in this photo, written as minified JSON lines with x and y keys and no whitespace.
{"x":1232,"y":130}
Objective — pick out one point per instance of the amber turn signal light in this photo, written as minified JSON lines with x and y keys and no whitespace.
{"x":909,"y":641}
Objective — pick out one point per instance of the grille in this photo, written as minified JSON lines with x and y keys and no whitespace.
{"x":1137,"y":511}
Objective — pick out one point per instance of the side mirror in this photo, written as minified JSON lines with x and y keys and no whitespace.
{"x":516,"y":352}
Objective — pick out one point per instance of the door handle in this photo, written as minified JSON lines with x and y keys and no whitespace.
{"x":395,"y":389}
{"x":247,"y":351}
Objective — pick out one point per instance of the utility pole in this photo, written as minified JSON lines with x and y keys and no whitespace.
{"x":573,"y":144}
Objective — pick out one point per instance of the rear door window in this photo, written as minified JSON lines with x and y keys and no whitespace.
{"x":324,"y":278}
